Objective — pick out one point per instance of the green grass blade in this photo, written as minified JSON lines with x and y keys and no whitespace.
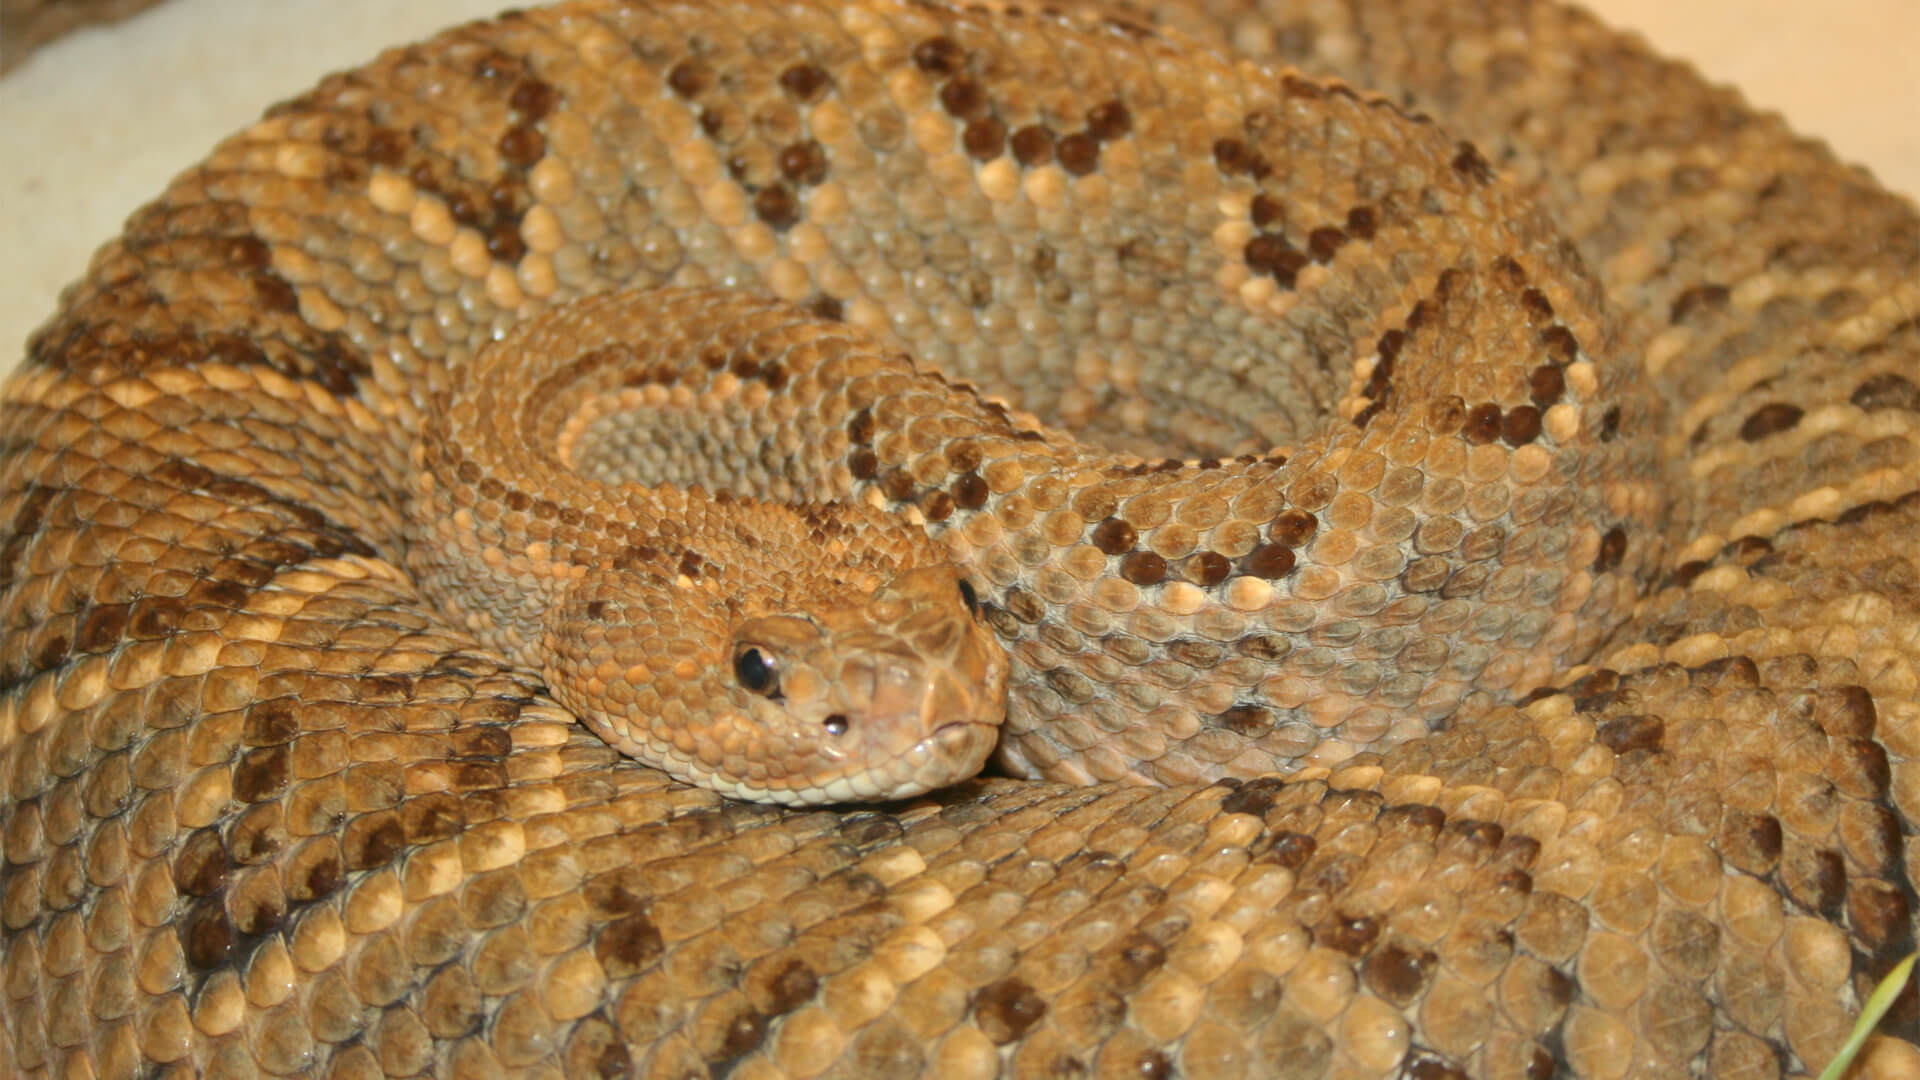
{"x":1877,"y":1005}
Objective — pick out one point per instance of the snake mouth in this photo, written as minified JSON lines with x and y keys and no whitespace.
{"x":954,"y":751}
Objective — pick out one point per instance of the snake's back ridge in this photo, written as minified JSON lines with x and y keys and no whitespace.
{"x":1442,"y":480}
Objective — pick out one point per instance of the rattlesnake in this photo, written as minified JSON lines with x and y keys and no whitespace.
{"x":268,"y":810}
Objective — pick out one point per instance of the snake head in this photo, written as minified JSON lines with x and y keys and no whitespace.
{"x":875,"y":696}
{"x":884,"y":699}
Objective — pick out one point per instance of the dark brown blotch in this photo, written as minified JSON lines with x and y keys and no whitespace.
{"x":1545,"y":385}
{"x":742,"y":1035}
{"x":1293,"y":527}
{"x":1520,"y":425}
{"x":1032,"y":145}
{"x":270,"y":723}
{"x":532,"y":99}
{"x":1248,"y":721}
{"x":1751,"y":842}
{"x":1398,"y":974}
{"x":1005,"y":1010}
{"x":200,"y":868}
{"x":1538,"y":308}
{"x":1850,"y":711}
{"x":1269,"y":561}
{"x":207,"y":936}
{"x":1468,"y":163}
{"x":388,"y":147}
{"x":984,"y":139}
{"x":1206,"y":568}
{"x":523,"y":147}
{"x":249,"y":253}
{"x":805,"y":83}
{"x":1289,"y":849}
{"x":1613,"y":548}
{"x":1886,"y":390}
{"x":1266,"y":252}
{"x":373,"y":840}
{"x":628,"y":946}
{"x":1483,"y":424}
{"x":1025,"y":606}
{"x":1348,"y":934}
{"x":1253,"y":797}
{"x":1817,"y":880}
{"x":1079,"y":153}
{"x":102,"y":627}
{"x":1562,"y":347}
{"x":51,"y":652}
{"x":777,"y":205}
{"x":262,"y":773}
{"x":1727,"y":671}
{"x":963,"y":97}
{"x":1770,"y":419}
{"x":1625,"y":734}
{"x":258,"y":915}
{"x":690,"y":78}
{"x":790,"y":985}
{"x":316,"y":872}
{"x":1325,"y":242}
{"x":1108,"y":121}
{"x":273,"y":293}
{"x":1236,"y":158}
{"x":1143,"y":568}
{"x":897,"y":485}
{"x":1425,"y":1065}
{"x":804,"y":162}
{"x":1698,"y":299}
{"x":504,"y":243}
{"x":860,"y":427}
{"x":970,"y":491}
{"x":1115,"y":536}
{"x":939,"y":56}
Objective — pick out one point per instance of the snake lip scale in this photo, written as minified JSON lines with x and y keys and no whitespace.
{"x":1414,"y":498}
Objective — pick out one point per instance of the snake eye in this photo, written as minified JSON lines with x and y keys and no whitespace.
{"x":837,"y":724}
{"x":969,"y":597}
{"x":755,"y":671}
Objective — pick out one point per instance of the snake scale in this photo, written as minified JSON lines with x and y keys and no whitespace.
{"x":1516,"y":454}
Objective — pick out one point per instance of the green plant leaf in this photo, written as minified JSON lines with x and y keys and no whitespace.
{"x":1877,"y":1005}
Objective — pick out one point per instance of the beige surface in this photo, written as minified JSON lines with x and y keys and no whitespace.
{"x":96,"y":125}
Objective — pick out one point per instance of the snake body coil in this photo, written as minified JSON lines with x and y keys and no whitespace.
{"x":1527,"y":487}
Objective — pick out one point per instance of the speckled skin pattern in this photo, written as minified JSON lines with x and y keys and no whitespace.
{"x":1609,"y":776}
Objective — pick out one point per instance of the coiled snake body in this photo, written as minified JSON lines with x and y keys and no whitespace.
{"x":1488,"y":528}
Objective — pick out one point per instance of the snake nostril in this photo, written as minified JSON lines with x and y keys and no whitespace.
{"x":837,"y":724}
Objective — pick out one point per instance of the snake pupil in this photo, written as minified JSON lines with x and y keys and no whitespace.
{"x":754,"y":670}
{"x":837,"y":724}
{"x":969,"y":597}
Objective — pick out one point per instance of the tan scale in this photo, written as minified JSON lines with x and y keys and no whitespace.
{"x":1482,"y":499}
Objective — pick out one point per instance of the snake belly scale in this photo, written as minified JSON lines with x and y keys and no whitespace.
{"x":1446,"y":539}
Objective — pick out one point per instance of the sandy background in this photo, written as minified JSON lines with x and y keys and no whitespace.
{"x":97,"y":123}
